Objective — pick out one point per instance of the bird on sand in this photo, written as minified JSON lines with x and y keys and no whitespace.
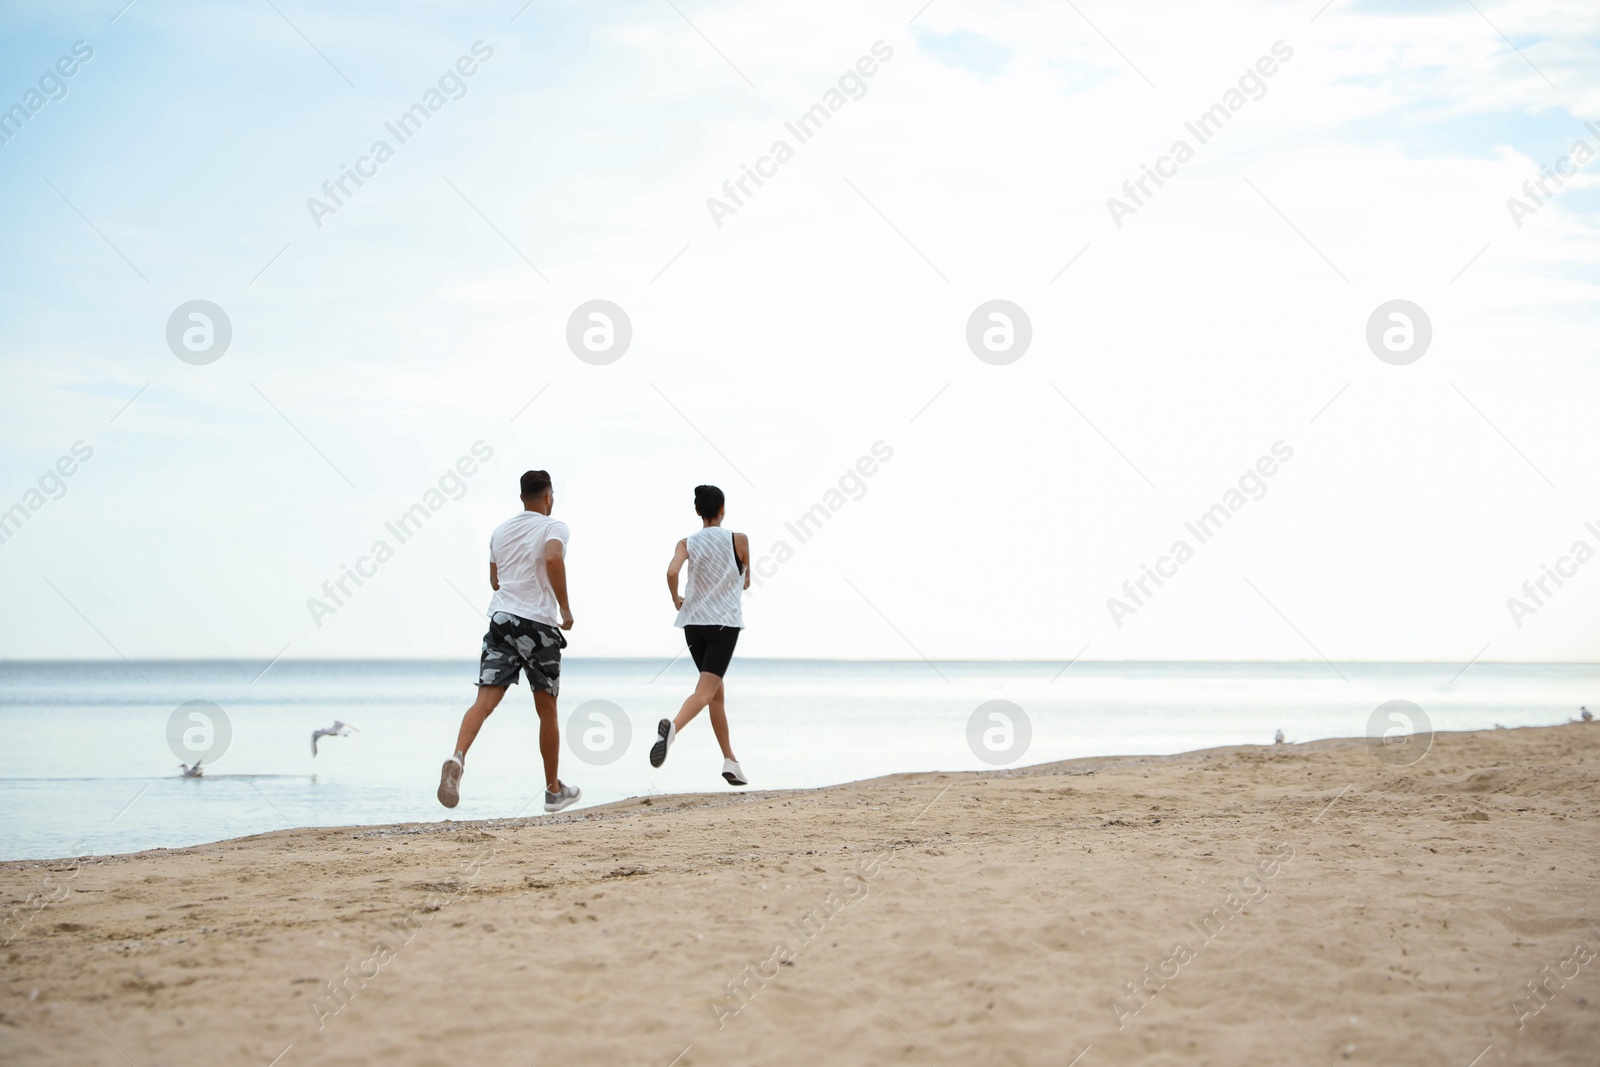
{"x":338,"y":729}
{"x":1588,"y":716}
{"x":1277,"y":738}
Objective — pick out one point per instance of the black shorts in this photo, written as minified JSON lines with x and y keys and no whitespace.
{"x":513,"y":645}
{"x":711,"y":647}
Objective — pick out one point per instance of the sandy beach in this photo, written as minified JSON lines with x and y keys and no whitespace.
{"x":1281,"y":904}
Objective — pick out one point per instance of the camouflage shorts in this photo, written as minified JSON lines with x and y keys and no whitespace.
{"x":514,"y":644}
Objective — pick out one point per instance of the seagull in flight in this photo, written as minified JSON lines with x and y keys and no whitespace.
{"x":338,"y":729}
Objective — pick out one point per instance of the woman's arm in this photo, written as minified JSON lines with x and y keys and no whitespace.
{"x":741,"y":548}
{"x":680,"y":556}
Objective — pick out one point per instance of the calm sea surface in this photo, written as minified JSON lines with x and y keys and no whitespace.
{"x":90,"y":766}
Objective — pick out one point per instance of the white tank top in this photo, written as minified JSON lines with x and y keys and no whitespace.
{"x":713,"y":593}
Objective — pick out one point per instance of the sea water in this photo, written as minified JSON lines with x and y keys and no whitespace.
{"x":89,"y":766}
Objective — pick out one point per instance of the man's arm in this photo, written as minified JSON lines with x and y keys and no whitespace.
{"x":555,"y":568}
{"x":741,"y":548}
{"x":680,"y":556}
{"x":494,"y":578}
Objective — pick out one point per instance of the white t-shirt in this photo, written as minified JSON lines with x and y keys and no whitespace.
{"x":516,"y":548}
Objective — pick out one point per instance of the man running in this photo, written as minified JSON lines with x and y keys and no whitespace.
{"x":711,"y":616}
{"x":528,"y":573}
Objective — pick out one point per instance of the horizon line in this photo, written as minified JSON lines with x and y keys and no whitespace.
{"x":7,"y":661}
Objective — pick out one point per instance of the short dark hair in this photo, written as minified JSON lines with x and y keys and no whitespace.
{"x":708,"y":500}
{"x":534,"y":483}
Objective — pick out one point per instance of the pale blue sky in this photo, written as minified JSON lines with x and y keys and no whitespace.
{"x":772,"y":352}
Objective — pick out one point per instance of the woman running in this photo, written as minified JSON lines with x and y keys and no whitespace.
{"x":710,"y":614}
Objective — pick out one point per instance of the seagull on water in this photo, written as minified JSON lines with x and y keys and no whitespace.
{"x":338,"y":729}
{"x":192,"y":772}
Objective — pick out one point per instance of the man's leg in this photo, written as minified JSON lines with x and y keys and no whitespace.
{"x":549,"y":738}
{"x":704,"y":691}
{"x":450,"y":774}
{"x":719,"y":720}
{"x":489,"y":697}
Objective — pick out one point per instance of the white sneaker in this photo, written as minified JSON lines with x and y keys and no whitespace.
{"x":732,"y":772}
{"x":666,"y":734}
{"x":449,"y":782}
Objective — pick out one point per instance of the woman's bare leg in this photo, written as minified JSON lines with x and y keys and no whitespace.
{"x":704,"y":692}
{"x":719,"y":721}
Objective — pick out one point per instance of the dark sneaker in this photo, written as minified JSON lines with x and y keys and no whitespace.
{"x":666,"y":733}
{"x":568,"y":796}
{"x":450,"y":782}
